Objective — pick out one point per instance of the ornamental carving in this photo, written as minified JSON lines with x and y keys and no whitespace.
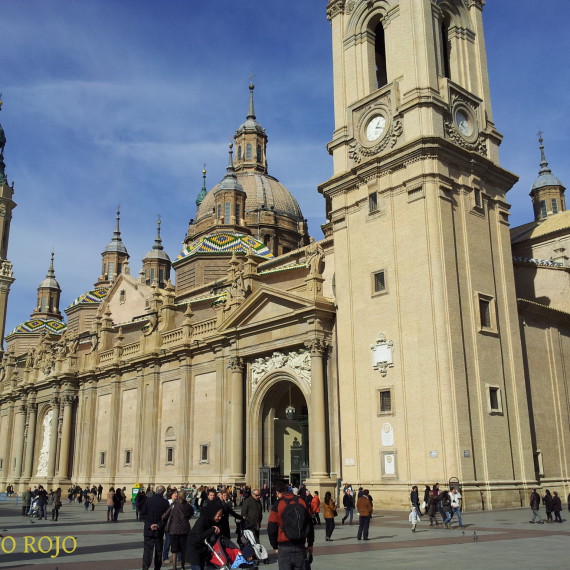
{"x":335,"y":7}
{"x":316,"y":346}
{"x":299,"y":362}
{"x":235,"y":363}
{"x":477,"y":146}
{"x":44,"y":451}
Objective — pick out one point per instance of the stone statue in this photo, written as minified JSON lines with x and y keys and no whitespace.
{"x":314,"y":258}
{"x":237,"y":287}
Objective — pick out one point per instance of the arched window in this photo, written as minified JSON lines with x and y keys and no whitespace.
{"x":239,"y":152}
{"x":445,"y":48}
{"x":380,"y":56}
{"x":259,"y":153}
{"x":248,"y":151}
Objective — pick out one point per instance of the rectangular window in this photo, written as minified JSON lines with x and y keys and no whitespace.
{"x":373,"y":202}
{"x":554,"y":206}
{"x":238,"y":213}
{"x":1,"y":464}
{"x":543,"y":212}
{"x":170,"y":455}
{"x":227,"y":212}
{"x":248,"y":151}
{"x":127,"y":456}
{"x":101,"y":459}
{"x":495,"y":401}
{"x":219,"y":211}
{"x":385,"y":401}
{"x":111,"y":270}
{"x":477,"y":197}
{"x":204,"y":453}
{"x":379,"y":282}
{"x":485,"y":312}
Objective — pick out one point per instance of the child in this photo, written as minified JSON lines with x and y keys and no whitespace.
{"x":414,"y":518}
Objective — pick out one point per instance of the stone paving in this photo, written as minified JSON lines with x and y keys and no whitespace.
{"x":495,"y":539}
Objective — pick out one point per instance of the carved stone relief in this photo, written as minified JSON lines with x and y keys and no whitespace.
{"x":44,"y":451}
{"x":298,"y":362}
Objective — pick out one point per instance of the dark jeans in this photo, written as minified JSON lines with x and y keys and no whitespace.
{"x":166,"y":547}
{"x":363,"y":525}
{"x":54,"y":514}
{"x":348,"y":513}
{"x":152,"y":546}
{"x":557,"y":516}
{"x":116,"y":512}
{"x":25,"y":510}
{"x":329,"y":527}
{"x":291,"y":557}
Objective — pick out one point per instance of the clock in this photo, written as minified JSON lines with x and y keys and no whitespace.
{"x":375,"y":128}
{"x":463,"y":123}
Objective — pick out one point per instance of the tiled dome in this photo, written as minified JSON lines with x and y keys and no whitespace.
{"x":262,"y":191}
{"x":94,"y":296}
{"x":51,"y":326}
{"x":224,"y":243}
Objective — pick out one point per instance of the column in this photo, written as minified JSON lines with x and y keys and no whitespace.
{"x":19,"y":437}
{"x":65,"y":436}
{"x":54,"y":402}
{"x":31,"y":439}
{"x":236,"y":391}
{"x":317,"y":421}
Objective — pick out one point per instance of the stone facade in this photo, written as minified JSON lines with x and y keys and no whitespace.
{"x":393,"y":352}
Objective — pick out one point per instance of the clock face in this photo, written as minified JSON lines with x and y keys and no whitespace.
{"x":375,"y":127}
{"x":463,"y":123}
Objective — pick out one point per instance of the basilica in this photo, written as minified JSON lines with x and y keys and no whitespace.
{"x":421,"y":340}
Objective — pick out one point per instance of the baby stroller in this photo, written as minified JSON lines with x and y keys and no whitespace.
{"x":225,"y":554}
{"x":246,"y":538}
{"x":34,"y":508}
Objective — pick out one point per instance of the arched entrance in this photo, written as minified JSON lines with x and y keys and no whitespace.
{"x":284,"y":428}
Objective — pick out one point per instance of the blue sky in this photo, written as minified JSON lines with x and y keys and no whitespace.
{"x":112,"y":102}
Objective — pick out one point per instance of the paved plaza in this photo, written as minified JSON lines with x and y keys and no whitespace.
{"x":497,"y":539}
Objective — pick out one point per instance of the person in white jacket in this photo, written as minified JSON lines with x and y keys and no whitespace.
{"x":414,"y":518}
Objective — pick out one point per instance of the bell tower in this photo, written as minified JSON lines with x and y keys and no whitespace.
{"x":423,"y":271}
{"x":6,"y":207}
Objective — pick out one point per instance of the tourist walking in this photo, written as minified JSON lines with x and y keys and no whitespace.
{"x":547,"y":502}
{"x":432,"y":507}
{"x":153,"y":532}
{"x":414,"y":518}
{"x":455,"y":497}
{"x":557,"y":507}
{"x":535,"y":506}
{"x":110,"y":503}
{"x":56,"y":497}
{"x":329,"y":513}
{"x":252,"y":513}
{"x":291,"y":542}
{"x":415,"y":498}
{"x":316,"y":508}
{"x":26,"y":501}
{"x":348,"y":504}
{"x":445,"y":502}
{"x":364,"y":507}
{"x":178,"y":518}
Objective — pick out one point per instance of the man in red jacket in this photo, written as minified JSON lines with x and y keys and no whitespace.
{"x":290,"y":530}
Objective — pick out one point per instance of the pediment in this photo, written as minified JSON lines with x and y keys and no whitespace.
{"x":127,"y":298}
{"x":266,"y":305}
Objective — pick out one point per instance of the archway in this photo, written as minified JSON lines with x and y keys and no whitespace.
{"x":284,"y":441}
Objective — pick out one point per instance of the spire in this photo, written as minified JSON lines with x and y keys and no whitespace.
{"x":116,"y":243}
{"x":50,"y":280}
{"x":157,"y":239}
{"x":3,"y":179}
{"x":543,"y":163}
{"x":230,"y":181}
{"x":204,"y":191}
{"x":251,"y":111}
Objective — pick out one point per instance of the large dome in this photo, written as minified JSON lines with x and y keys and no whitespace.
{"x":262,"y":192}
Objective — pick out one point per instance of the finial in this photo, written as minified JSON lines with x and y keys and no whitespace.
{"x":543,"y":163}
{"x":231,"y":161}
{"x":251,"y":110}
{"x":158,"y":239}
{"x":0,"y":100}
{"x":51,"y":271}
{"x":204,"y":191}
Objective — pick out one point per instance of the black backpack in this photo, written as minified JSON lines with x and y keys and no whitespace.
{"x":295,"y":519}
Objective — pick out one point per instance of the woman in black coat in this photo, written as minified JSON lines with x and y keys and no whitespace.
{"x":227,"y":511}
{"x":547,"y":502}
{"x":557,"y":507}
{"x":197,"y":553}
{"x":415,"y":498}
{"x":180,"y":513}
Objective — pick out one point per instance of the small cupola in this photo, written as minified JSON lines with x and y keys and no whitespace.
{"x":115,"y":257}
{"x":156,"y":263}
{"x":229,"y":198}
{"x":49,"y":293}
{"x":251,"y":142}
{"x":547,"y":192}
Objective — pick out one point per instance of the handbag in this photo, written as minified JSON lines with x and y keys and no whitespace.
{"x":423,"y":505}
{"x":335,"y":513}
{"x":167,"y":526}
